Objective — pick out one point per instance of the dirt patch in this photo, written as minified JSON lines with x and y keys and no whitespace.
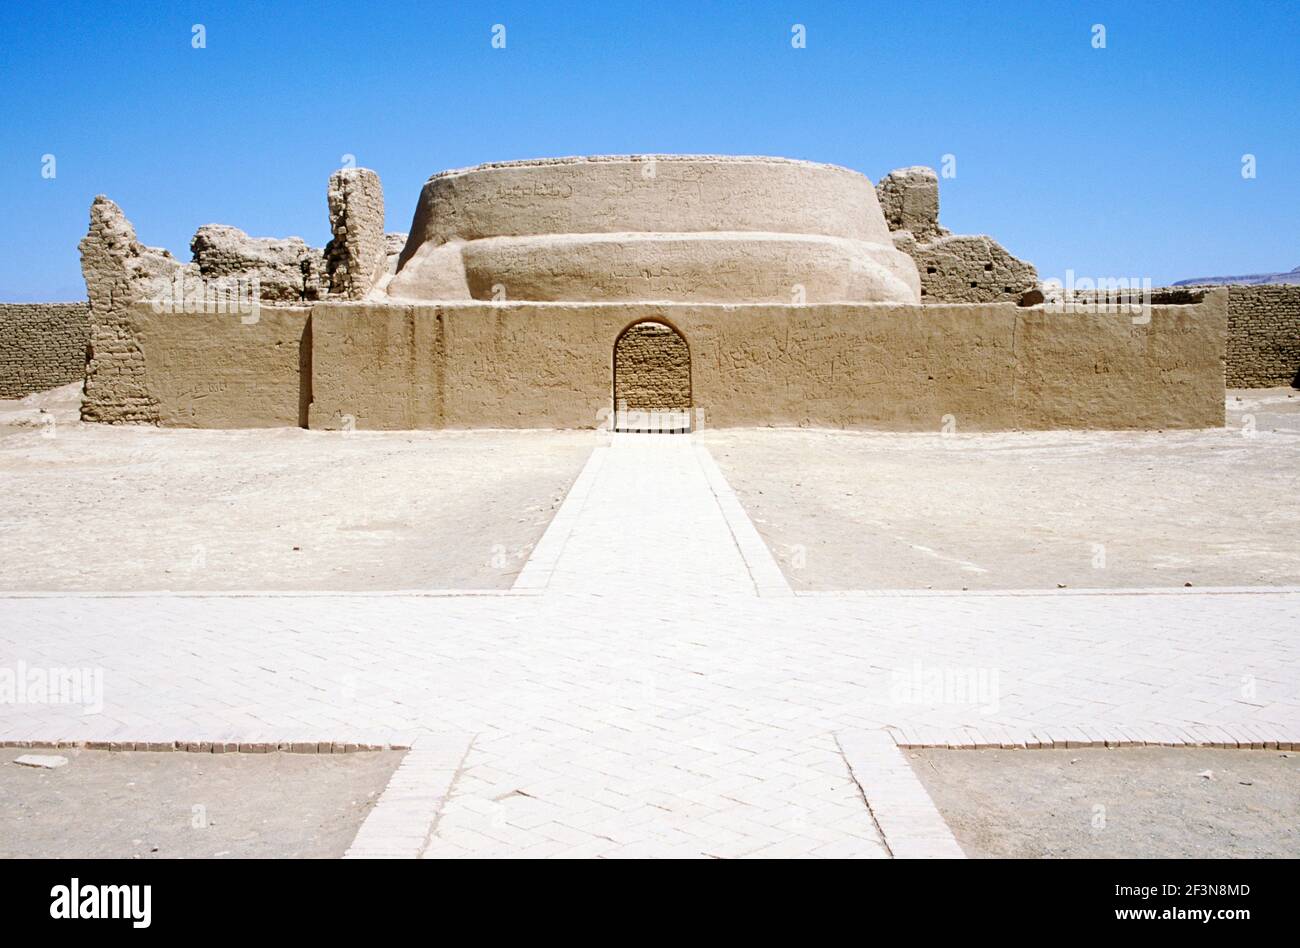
{"x":109,"y":509}
{"x":1124,"y":803}
{"x":44,"y":410}
{"x":1028,"y":510}
{"x":106,"y":805}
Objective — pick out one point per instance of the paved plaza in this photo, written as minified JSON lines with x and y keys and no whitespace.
{"x":652,"y":686}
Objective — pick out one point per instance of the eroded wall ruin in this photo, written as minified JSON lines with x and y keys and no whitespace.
{"x":119,"y":270}
{"x":954,"y":268}
{"x":266,"y":278}
{"x":285,"y":268}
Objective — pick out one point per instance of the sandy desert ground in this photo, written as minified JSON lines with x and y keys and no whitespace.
{"x":99,"y":508}
{"x":1120,"y":803}
{"x":107,"y":805}
{"x":109,"y":509}
{"x":1029,"y":510}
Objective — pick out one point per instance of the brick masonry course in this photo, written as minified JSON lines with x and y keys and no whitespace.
{"x":42,"y":346}
{"x":1263,"y":336}
{"x":652,"y":369}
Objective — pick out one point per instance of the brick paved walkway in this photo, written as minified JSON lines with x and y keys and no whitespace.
{"x":637,"y":696}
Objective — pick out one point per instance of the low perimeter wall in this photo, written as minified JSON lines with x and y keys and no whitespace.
{"x":42,"y":346}
{"x":1263,"y":334}
{"x":971,"y":367}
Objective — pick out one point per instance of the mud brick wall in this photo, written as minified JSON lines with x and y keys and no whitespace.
{"x":42,"y":346}
{"x":898,"y":367}
{"x":969,"y":269}
{"x":652,"y":369}
{"x":1263,"y":343}
{"x":1263,"y":336}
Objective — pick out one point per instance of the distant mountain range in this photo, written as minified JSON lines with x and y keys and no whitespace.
{"x":1292,"y":276}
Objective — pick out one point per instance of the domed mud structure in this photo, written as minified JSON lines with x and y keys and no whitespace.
{"x":683,"y":228}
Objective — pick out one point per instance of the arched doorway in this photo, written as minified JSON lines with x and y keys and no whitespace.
{"x":652,"y":379}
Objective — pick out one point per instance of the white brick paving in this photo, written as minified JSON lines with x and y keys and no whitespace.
{"x":642,"y":698}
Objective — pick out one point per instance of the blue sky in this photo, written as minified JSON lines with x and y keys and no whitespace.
{"x":1123,"y":161}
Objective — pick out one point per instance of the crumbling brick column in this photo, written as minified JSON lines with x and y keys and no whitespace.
{"x":357,"y":257}
{"x":119,"y":270}
{"x":909,"y":198}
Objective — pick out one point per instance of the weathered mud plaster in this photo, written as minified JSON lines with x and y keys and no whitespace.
{"x":220,"y":370}
{"x":697,"y":228}
{"x":905,"y":367}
